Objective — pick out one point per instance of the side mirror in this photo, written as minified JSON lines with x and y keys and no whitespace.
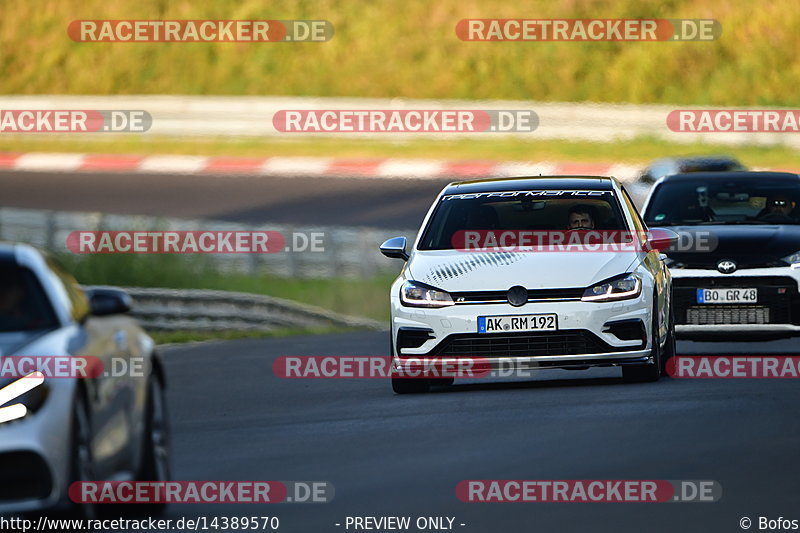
{"x":395,"y":248}
{"x":662,"y":239}
{"x":103,"y":302}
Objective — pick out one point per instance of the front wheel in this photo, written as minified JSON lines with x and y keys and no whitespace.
{"x":442,"y":382}
{"x":669,"y":346}
{"x":81,"y":455}
{"x":155,"y":465}
{"x":649,"y":372}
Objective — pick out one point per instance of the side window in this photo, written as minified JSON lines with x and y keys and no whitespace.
{"x":77,"y":298}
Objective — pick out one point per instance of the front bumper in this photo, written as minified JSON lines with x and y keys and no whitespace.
{"x":584,"y":337}
{"x":777,"y":309}
{"x":43,"y":439}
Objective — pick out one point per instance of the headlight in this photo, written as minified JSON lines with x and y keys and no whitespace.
{"x":416,"y":294}
{"x":621,"y":288}
{"x":25,"y":395}
{"x":793,"y":259}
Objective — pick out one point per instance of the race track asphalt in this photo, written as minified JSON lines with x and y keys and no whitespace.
{"x":336,"y":201}
{"x":403,"y":455}
{"x":326,"y":201}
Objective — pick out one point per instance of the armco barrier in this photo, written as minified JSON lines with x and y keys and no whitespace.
{"x":251,"y":116}
{"x":192,"y":309}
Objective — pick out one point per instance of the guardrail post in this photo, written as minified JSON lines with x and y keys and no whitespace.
{"x":291,"y":260}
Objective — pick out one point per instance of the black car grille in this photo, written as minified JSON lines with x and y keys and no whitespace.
{"x":729,"y":314}
{"x":477,"y":297}
{"x":566,"y":342}
{"x":777,"y":295}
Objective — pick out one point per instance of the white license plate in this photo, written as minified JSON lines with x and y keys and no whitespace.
{"x":516,"y":323}
{"x":727,"y":296}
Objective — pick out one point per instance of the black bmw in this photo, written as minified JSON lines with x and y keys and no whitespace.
{"x":736,"y":268}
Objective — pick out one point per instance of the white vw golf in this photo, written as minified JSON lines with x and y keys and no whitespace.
{"x":528,"y":273}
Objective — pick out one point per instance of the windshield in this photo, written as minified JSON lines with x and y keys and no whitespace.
{"x":521,"y":211}
{"x":753,"y":200}
{"x":23,"y":303}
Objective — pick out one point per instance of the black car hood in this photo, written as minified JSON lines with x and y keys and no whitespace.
{"x":749,"y":245}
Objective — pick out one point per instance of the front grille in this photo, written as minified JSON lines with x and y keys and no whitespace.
{"x":566,"y":342}
{"x":777,"y":295}
{"x":534,"y":295}
{"x":745,"y":314}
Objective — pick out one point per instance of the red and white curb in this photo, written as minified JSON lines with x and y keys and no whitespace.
{"x":305,"y":166}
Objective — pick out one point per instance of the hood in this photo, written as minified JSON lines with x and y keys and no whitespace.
{"x":40,"y":342}
{"x":750,"y":245}
{"x":455,"y":271}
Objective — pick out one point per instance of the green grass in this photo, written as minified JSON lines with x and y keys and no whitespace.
{"x":385,"y":49}
{"x":634,"y":151}
{"x":183,"y":336}
{"x":357,"y":297}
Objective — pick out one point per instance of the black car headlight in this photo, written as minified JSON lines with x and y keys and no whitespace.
{"x":620,"y":288}
{"x":415,"y":294}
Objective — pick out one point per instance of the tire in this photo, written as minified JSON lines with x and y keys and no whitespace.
{"x":650,"y":372}
{"x":81,"y":459}
{"x":442,"y":382}
{"x":669,"y":346}
{"x":155,"y":463}
{"x":410,"y":385}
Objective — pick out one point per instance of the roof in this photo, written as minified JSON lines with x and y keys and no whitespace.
{"x":698,"y":159}
{"x":692,"y":176}
{"x":530,"y":183}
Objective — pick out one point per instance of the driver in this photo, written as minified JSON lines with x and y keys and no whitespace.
{"x":779,"y":204}
{"x":581,"y":216}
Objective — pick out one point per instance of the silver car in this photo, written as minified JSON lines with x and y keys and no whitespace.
{"x":109,"y":427}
